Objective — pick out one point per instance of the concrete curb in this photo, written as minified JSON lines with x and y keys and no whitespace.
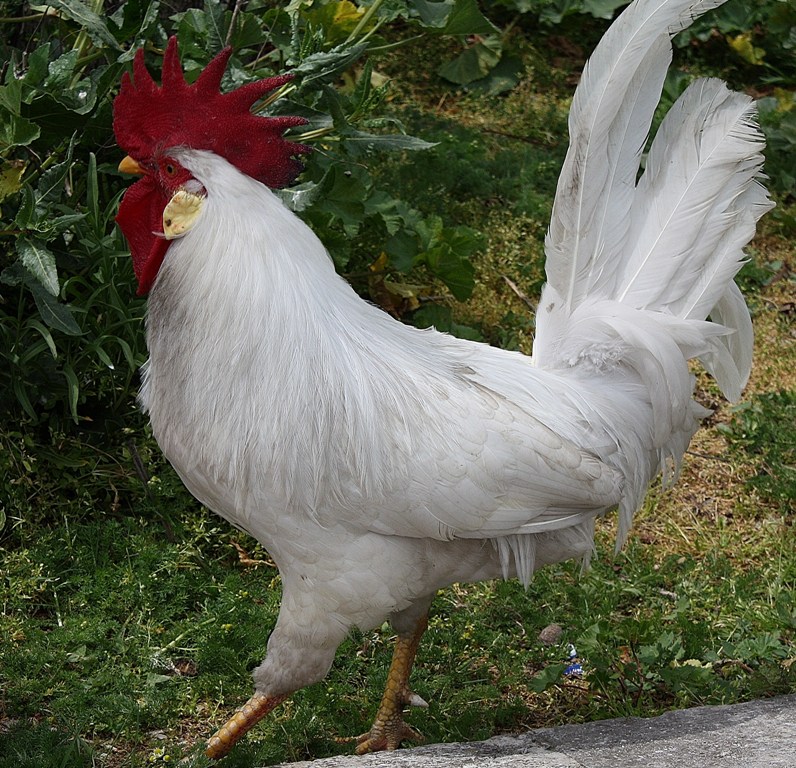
{"x":756,"y":734}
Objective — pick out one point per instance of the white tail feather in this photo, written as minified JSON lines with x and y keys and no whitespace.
{"x":635,"y":269}
{"x":608,"y":125}
{"x":672,"y":243}
{"x":684,"y":245}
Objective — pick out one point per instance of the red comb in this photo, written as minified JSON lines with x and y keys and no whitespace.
{"x":148,"y":118}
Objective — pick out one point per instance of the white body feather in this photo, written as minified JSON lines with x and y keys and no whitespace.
{"x":378,"y":463}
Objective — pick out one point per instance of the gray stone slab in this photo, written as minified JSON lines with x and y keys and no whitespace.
{"x":757,"y":734}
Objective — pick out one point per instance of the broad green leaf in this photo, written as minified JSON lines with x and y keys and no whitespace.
{"x":602,"y":9}
{"x":11,"y":96}
{"x":503,"y":77}
{"x":300,"y":197}
{"x":16,"y":131}
{"x":466,"y":19}
{"x":40,"y":262}
{"x":474,"y":63}
{"x":36,"y":72}
{"x":135,"y":19}
{"x":60,"y":72}
{"x":203,"y":29}
{"x":456,"y":272}
{"x":459,"y":17}
{"x":434,"y":15}
{"x":80,"y":98}
{"x":402,"y":248}
{"x":555,"y":11}
{"x":56,"y":315}
{"x":92,"y":23}
{"x":550,"y":675}
{"x":248,"y":32}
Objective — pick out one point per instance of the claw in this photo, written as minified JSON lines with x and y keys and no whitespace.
{"x":416,"y":701}
{"x":387,"y":737}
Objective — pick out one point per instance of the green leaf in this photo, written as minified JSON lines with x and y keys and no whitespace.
{"x":56,"y":315}
{"x":403,"y":249}
{"x":466,"y":19}
{"x":11,"y":95}
{"x":92,"y":23}
{"x":503,"y":77}
{"x":300,"y":197}
{"x":36,"y":72}
{"x":60,"y":72}
{"x":461,"y":17}
{"x":15,"y":130}
{"x":456,"y":272}
{"x":136,"y":22}
{"x":394,"y":141}
{"x":15,"y":274}
{"x":92,"y":188}
{"x":602,"y":9}
{"x":474,"y":63}
{"x":550,"y":675}
{"x":24,"y":399}
{"x":51,"y":183}
{"x":104,"y":357}
{"x":60,"y":223}
{"x":73,"y":390}
{"x":203,"y":28}
{"x":324,"y":66}
{"x":40,"y":262}
{"x":27,"y":207}
{"x":45,"y":334}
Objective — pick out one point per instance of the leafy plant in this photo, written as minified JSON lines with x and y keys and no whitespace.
{"x":70,"y":328}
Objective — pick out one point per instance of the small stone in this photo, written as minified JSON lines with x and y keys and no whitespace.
{"x":551,"y":634}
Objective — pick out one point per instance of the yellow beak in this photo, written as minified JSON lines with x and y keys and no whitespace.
{"x":128,"y":165}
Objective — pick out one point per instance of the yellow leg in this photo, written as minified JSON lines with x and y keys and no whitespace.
{"x":254,"y":710}
{"x":389,"y":728}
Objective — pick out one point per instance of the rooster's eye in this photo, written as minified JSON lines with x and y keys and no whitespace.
{"x":170,"y":169}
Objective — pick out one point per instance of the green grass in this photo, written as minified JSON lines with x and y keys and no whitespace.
{"x":129,"y":624}
{"x":116,"y":636}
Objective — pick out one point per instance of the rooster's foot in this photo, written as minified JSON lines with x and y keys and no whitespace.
{"x":389,"y":729}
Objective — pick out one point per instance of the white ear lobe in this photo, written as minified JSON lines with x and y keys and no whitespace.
{"x":181,"y":213}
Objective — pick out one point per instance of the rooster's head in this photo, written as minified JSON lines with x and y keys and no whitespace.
{"x":151,"y":122}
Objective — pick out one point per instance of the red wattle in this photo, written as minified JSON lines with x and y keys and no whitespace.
{"x":140,"y":216}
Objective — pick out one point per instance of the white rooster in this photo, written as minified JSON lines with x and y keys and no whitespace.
{"x":378,"y":463}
